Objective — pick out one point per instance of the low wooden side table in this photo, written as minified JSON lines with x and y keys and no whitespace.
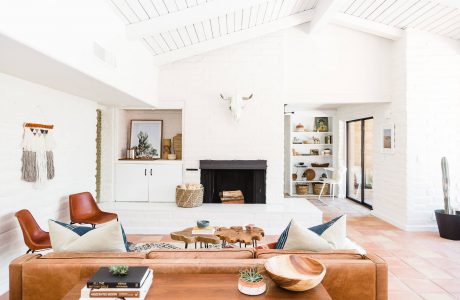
{"x":232,"y":235}
{"x":211,"y":286}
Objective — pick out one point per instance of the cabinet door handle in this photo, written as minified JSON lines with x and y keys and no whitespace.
{"x":150,"y":172}
{"x":145,"y":172}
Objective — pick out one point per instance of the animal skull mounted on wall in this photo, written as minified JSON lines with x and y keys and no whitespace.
{"x":236,"y":104}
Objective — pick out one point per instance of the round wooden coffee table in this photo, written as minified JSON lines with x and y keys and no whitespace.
{"x":224,"y":235}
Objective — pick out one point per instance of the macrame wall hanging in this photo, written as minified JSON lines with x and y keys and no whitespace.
{"x":37,"y":153}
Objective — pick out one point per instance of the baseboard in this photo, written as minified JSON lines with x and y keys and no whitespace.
{"x":3,"y":290}
{"x":405,"y":227}
{"x":389,"y":220}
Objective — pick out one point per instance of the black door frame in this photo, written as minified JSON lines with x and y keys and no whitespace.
{"x":363,"y":186}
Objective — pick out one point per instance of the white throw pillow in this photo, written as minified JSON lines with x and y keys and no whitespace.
{"x":301,"y":238}
{"x":105,"y":238}
{"x":336,"y":234}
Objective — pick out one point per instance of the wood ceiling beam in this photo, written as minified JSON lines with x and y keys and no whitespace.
{"x":363,"y":25}
{"x":324,"y":12}
{"x":187,"y":16}
{"x":234,"y":38}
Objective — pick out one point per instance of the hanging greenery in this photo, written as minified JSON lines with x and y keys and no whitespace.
{"x":98,"y":153}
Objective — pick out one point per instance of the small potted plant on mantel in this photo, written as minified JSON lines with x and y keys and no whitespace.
{"x":448,"y":219}
{"x":251,"y":282}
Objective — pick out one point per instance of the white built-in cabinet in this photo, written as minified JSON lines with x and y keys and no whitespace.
{"x":139,"y":181}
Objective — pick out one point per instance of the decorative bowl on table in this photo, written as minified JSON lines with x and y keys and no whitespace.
{"x":202,"y":223}
{"x":295,"y":273}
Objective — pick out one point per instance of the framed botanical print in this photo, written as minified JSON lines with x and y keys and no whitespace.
{"x":322,"y":124}
{"x":146,"y":137}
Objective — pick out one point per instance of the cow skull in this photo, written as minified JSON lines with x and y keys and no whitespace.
{"x":236,"y":104}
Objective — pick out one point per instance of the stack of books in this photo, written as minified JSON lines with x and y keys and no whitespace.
{"x":104,"y":285}
{"x":232,"y":197}
{"x":209,"y":230}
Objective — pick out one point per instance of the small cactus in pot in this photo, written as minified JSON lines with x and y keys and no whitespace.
{"x":251,"y":282}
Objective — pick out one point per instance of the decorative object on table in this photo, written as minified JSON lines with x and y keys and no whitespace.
{"x":316,"y":140}
{"x":146,"y":137}
{"x":448,"y":219}
{"x":249,"y":227}
{"x":236,"y":104}
{"x":301,"y":163}
{"x":299,"y":127}
{"x":323,"y":176}
{"x":328,"y":139}
{"x":119,"y":270}
{"x":320,"y":165}
{"x":165,"y":148}
{"x":208,"y":230}
{"x":388,"y":138}
{"x":238,"y":234}
{"x":172,"y":156}
{"x":310,"y":174}
{"x":177,"y":145}
{"x":314,"y":151}
{"x":294,"y":176}
{"x":301,"y":189}
{"x":189,"y":195}
{"x":37,"y":153}
{"x":35,"y":238}
{"x":327,"y":151}
{"x":118,"y":287}
{"x":131,"y":153}
{"x":296,"y":140}
{"x":104,"y":278}
{"x":231,"y":197}
{"x":322,"y":124}
{"x":295,"y":272}
{"x":251,"y":282}
{"x":202,"y":223}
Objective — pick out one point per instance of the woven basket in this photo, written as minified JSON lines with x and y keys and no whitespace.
{"x":318,"y":186}
{"x":301,"y":189}
{"x":189,"y":198}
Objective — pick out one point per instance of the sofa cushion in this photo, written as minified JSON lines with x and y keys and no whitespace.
{"x":72,"y":238}
{"x":234,"y":253}
{"x":303,"y":238}
{"x":330,"y":254}
{"x":96,"y":255}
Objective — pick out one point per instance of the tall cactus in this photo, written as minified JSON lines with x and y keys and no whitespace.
{"x":446,"y":186}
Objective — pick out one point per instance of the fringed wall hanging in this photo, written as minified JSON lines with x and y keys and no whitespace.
{"x":37,"y":153}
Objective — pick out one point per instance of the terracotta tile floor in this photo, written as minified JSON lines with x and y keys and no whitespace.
{"x":421,"y":264}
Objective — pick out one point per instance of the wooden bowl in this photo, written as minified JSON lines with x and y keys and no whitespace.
{"x":295,"y":273}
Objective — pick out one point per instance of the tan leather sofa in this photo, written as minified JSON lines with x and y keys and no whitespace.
{"x":349,"y":275}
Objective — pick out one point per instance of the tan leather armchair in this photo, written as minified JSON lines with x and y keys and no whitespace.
{"x":34,"y":237}
{"x":84,"y":210}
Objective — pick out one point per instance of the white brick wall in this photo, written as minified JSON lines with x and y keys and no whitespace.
{"x":75,"y":131}
{"x":285,"y":67}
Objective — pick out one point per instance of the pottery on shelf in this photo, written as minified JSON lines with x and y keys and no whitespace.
{"x":295,"y":273}
{"x":202,"y":223}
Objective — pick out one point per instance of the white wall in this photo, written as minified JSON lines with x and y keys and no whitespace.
{"x":284,"y":67}
{"x":433,"y":110}
{"x":75,"y":132}
{"x":67,"y":30}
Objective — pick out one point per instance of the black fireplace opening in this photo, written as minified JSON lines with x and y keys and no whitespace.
{"x":247,"y":176}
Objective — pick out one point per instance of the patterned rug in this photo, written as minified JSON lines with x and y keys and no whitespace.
{"x":146,"y":247}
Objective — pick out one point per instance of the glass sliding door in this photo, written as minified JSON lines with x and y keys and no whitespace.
{"x":359,"y":160}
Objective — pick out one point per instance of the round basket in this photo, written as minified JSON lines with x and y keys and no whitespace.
{"x":189,"y":197}
{"x":301,"y":189}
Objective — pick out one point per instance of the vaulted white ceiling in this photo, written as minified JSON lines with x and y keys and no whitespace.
{"x":175,"y":29}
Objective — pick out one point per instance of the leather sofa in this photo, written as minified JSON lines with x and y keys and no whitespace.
{"x":349,"y":275}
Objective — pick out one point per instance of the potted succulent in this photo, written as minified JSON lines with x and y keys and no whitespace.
{"x":251,"y":282}
{"x":448,"y":219}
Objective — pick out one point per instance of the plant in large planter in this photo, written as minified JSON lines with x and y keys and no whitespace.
{"x":448,"y":219}
{"x":251,"y":282}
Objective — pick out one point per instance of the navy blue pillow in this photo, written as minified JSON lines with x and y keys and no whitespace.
{"x":81,"y":230}
{"x":318,"y":229}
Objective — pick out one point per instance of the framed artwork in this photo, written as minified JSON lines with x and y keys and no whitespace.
{"x":146,"y":138}
{"x":322,"y":124}
{"x":388,"y":138}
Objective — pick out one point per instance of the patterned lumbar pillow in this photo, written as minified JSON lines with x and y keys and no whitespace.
{"x":108,"y":237}
{"x":334,"y":233}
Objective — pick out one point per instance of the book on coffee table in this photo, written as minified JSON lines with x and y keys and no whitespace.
{"x":210,"y":230}
{"x":117,"y":293}
{"x":104,"y":279}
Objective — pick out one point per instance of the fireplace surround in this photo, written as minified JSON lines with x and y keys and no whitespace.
{"x":249,"y":176}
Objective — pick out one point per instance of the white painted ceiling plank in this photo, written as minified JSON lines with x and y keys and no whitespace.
{"x":414,"y":7}
{"x":448,"y":26}
{"x":440,"y":11}
{"x":184,"y":35}
{"x":171,"y":6}
{"x":192,"y":33}
{"x":392,"y":9}
{"x":123,"y":6}
{"x":442,"y":20}
{"x":199,"y":30}
{"x":230,"y":20}
{"x":367,"y":26}
{"x":277,"y":10}
{"x":297,"y":6}
{"x":375,"y":5}
{"x":222,"y":25}
{"x":177,"y":38}
{"x":238,"y":19}
{"x":138,"y":9}
{"x":246,"y":17}
{"x":237,"y":37}
{"x":186,"y":16}
{"x":207,"y":29}
{"x":360,"y":11}
{"x":417,"y":16}
{"x":263,"y":13}
{"x":120,"y":12}
{"x":215,"y":27}
{"x":160,"y":6}
{"x":181,"y":4}
{"x":149,"y":8}
{"x":324,"y":12}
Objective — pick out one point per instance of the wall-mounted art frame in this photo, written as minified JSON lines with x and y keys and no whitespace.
{"x":388,"y":138}
{"x":146,"y":137}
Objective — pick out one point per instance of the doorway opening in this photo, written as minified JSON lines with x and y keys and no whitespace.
{"x":360,"y":169}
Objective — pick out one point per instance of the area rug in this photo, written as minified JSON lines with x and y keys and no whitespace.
{"x":146,"y":247}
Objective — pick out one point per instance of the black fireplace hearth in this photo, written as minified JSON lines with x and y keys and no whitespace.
{"x":248,"y":176}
